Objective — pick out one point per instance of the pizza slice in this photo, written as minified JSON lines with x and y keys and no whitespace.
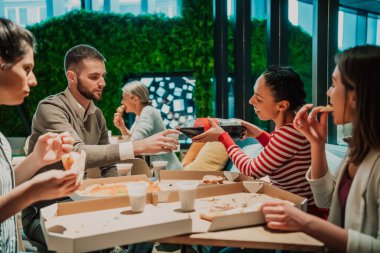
{"x":211,"y":179}
{"x":75,"y":161}
{"x":327,"y":108}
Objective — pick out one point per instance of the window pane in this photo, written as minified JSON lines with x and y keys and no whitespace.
{"x":11,"y":14}
{"x":371,"y":30}
{"x":131,"y":6}
{"x":71,"y":5}
{"x":259,"y":9}
{"x":167,"y":7}
{"x":97,"y":5}
{"x":23,"y":15}
{"x":305,"y":17}
{"x":43,"y":15}
{"x":34,"y":15}
{"x":349,"y":24}
{"x":378,"y":33}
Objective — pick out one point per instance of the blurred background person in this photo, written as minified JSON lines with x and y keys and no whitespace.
{"x":148,"y":119}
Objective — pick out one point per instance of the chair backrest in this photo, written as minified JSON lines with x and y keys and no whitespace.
{"x":246,"y":146}
{"x":139,"y":167}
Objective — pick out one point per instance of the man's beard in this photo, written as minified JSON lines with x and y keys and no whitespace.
{"x":86,"y":93}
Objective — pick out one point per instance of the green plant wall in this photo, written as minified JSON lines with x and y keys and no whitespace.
{"x":141,"y":44}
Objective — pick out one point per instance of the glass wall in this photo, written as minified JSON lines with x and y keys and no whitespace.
{"x":29,"y":12}
{"x":23,"y":12}
{"x":353,"y":29}
{"x":169,"y":8}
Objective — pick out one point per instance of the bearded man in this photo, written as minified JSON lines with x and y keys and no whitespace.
{"x":74,"y":111}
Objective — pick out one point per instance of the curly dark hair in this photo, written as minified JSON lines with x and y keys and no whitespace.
{"x":286,"y":84}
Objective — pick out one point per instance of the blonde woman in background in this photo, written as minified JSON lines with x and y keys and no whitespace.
{"x":148,"y":119}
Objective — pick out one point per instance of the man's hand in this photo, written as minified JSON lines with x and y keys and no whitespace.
{"x":159,"y":142}
{"x":53,"y":184}
{"x":50,"y":147}
{"x":210,"y":135}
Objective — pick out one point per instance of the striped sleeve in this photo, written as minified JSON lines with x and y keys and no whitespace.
{"x":282,"y":146}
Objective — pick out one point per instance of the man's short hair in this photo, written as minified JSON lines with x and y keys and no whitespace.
{"x":81,"y":52}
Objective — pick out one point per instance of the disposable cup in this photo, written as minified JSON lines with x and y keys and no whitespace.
{"x":137,"y":195}
{"x":124,"y":169}
{"x":157,"y":167}
{"x":175,"y":136}
{"x":187,"y":193}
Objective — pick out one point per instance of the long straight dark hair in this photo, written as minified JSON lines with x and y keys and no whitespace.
{"x":359,"y":68}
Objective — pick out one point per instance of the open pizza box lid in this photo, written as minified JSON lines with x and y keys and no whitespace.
{"x":243,"y":218}
{"x":188,"y":175}
{"x":89,"y":225}
{"x":109,"y":180}
{"x":169,"y":178}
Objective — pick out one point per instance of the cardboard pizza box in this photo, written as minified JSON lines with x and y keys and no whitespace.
{"x":169,"y":178}
{"x":225,"y":193}
{"x":180,"y":175}
{"x":109,"y":180}
{"x":96,"y":224}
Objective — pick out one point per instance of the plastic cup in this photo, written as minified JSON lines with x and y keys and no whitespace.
{"x":175,"y":136}
{"x":137,"y":195}
{"x":187,"y":193}
{"x":124,"y":169}
{"x":157,"y":167}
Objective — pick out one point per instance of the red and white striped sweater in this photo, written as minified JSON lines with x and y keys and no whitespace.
{"x":285,"y":159}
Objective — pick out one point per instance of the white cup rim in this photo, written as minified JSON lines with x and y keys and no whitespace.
{"x":186,"y":185}
{"x":160,"y":163}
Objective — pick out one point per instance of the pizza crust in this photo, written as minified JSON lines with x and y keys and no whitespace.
{"x":112,"y":189}
{"x":211,"y":179}
{"x":327,"y":108}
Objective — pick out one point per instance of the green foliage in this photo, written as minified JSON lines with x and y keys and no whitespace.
{"x":141,"y":44}
{"x":300,"y":57}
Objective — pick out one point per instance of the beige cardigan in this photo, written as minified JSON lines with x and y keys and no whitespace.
{"x":363,"y":203}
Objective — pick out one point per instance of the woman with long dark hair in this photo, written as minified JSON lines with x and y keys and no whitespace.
{"x":353,"y":194}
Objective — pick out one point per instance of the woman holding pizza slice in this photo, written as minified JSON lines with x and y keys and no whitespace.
{"x":278,"y":94}
{"x":16,"y":79}
{"x":353,"y":193}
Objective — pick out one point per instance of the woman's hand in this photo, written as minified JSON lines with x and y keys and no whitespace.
{"x":119,"y":123}
{"x":50,"y":147}
{"x":280,"y":215}
{"x":53,"y":184}
{"x":211,"y":134}
{"x":315,"y":131}
{"x":252,"y":131}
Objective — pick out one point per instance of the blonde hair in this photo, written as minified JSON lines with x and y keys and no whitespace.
{"x":138,"y":89}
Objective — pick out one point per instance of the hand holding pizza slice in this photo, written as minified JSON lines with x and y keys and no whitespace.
{"x":75,"y":161}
